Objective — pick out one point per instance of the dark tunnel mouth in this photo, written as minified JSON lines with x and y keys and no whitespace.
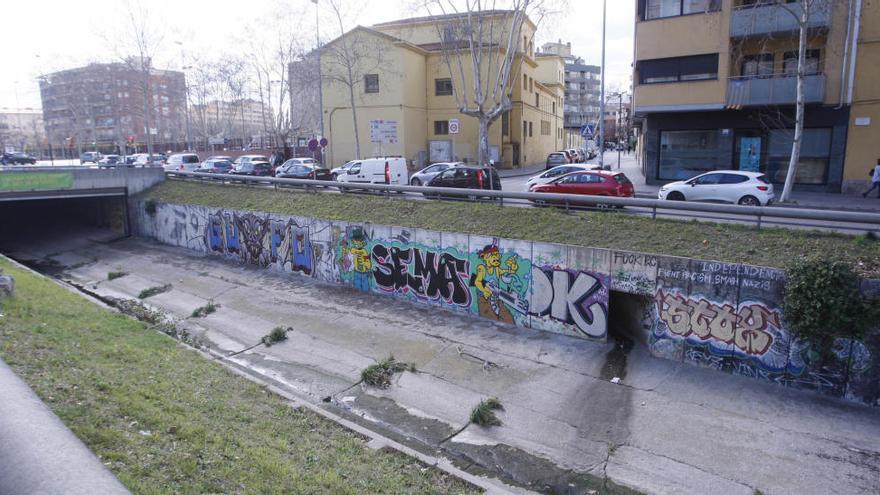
{"x":30,"y":228}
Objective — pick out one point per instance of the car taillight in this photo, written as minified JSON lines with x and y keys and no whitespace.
{"x":480,"y":178}
{"x":763,"y":188}
{"x":314,"y":174}
{"x":387,"y":173}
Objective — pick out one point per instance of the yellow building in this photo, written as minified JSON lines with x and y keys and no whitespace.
{"x":715,"y":86}
{"x":404,"y":95}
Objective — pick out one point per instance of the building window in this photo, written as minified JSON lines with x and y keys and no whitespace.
{"x":811,"y":63}
{"x":525,"y":129}
{"x":530,"y":129}
{"x":684,"y":154}
{"x":757,"y":65}
{"x":441,"y":127}
{"x":814,"y":161}
{"x":505,"y":124}
{"x":663,"y":70}
{"x":554,"y":108}
{"x":371,"y":83}
{"x":443,"y":87}
{"x":658,"y":9}
{"x":545,"y":127}
{"x":537,"y":100}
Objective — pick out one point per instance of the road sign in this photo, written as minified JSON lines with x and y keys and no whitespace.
{"x":383,"y":131}
{"x":313,"y":144}
{"x":454,"y":126}
{"x":588,"y":131}
{"x":323,"y":142}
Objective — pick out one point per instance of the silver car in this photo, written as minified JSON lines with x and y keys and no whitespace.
{"x":425,"y":175}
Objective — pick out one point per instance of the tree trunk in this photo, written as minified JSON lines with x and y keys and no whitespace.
{"x":799,"y":112}
{"x":483,"y":154}
{"x":354,"y":117}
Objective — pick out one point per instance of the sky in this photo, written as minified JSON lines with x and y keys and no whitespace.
{"x":47,"y":35}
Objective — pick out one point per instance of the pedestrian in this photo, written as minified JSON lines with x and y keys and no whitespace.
{"x":875,"y":181}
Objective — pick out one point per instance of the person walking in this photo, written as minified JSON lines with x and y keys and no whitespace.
{"x":875,"y":181}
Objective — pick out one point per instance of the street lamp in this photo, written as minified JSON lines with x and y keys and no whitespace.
{"x":320,"y":77}
{"x":602,"y":97}
{"x":183,"y":68}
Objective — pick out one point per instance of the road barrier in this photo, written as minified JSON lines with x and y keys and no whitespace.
{"x":655,"y":208}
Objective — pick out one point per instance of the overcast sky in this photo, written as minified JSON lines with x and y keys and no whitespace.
{"x":46,"y":35}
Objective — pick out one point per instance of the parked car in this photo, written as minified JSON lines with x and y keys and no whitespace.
{"x":182,"y":162}
{"x":389,"y":170}
{"x":575,"y":155}
{"x":248,"y":159}
{"x":146,"y":160}
{"x":295,"y":169}
{"x":555,"y":159}
{"x":467,"y":177}
{"x":299,"y":161}
{"x":592,"y":183}
{"x":215,"y":166}
{"x":111,"y":161}
{"x":336,"y":172}
{"x":254,"y":168}
{"x":722,"y":186}
{"x":18,"y":158}
{"x":90,"y":157}
{"x":220,"y":157}
{"x":553,"y":173}
{"x":428,"y":173}
{"x":568,"y":155}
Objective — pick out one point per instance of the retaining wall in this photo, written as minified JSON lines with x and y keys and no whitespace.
{"x":719,"y":315}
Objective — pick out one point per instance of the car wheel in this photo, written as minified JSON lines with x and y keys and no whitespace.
{"x":675,"y":196}
{"x":416,"y":183}
{"x":749,"y":201}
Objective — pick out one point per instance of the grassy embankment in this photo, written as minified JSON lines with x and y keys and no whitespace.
{"x":721,"y":242}
{"x":165,"y":420}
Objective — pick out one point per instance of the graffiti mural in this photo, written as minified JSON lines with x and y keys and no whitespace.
{"x":501,"y":283}
{"x":575,"y":299}
{"x":423,"y":273}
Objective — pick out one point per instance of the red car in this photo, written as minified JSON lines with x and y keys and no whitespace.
{"x":592,"y":182}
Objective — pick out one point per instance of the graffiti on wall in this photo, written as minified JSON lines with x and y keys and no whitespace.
{"x":577,"y":299}
{"x":501,"y":283}
{"x":422,"y":272}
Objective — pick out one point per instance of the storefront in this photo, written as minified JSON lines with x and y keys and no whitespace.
{"x":681,"y":145}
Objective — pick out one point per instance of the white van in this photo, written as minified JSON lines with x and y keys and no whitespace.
{"x":389,"y":170}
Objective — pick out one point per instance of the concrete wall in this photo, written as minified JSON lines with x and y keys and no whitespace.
{"x":136,"y":179}
{"x":723,"y":316}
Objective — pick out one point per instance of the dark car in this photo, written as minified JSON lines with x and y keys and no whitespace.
{"x":215,"y":166}
{"x":592,"y":183}
{"x":468,"y":177}
{"x":555,"y":159}
{"x":18,"y":158}
{"x":258,"y":169}
{"x":293,"y":169}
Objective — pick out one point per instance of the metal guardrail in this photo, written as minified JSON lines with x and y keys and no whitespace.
{"x":759,"y":215}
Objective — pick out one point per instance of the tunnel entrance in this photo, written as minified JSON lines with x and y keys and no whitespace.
{"x":32,"y":230}
{"x":627,"y":315}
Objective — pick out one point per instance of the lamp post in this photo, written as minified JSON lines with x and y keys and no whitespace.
{"x":320,"y":76}
{"x":183,"y":68}
{"x":602,"y":97}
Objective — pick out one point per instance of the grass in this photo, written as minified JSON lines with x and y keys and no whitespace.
{"x":115,"y":275}
{"x":278,"y":334}
{"x":721,"y":242}
{"x":484,"y":413}
{"x":379,"y":374}
{"x":205,"y":310}
{"x":154,"y":291}
{"x":167,"y":421}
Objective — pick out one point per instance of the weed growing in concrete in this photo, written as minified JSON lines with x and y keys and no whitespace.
{"x":205,"y":310}
{"x":484,"y":413}
{"x":136,"y":309}
{"x":115,"y":275}
{"x":278,"y":334}
{"x":379,"y":374}
{"x":154,"y":291}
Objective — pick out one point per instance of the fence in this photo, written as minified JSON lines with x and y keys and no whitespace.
{"x":756,"y":215}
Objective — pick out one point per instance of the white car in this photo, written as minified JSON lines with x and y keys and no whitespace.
{"x":722,"y":186}
{"x":388,"y":170}
{"x":426,"y":174}
{"x":182,"y":162}
{"x":558,"y":171}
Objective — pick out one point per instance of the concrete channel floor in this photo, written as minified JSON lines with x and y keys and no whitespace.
{"x":665,"y":428}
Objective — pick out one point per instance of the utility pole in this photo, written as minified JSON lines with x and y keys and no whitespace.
{"x":185,"y":97}
{"x":617,"y":121}
{"x":602,"y":97}
{"x":320,"y":77}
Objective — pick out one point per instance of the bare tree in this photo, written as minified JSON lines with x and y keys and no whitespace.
{"x":484,"y":45}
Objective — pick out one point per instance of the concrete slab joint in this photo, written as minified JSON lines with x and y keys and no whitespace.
{"x":723,"y":316}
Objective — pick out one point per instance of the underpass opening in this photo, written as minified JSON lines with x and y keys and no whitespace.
{"x":35,"y":229}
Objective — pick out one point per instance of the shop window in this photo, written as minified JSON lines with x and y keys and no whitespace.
{"x":814,"y":160}
{"x":684,"y":154}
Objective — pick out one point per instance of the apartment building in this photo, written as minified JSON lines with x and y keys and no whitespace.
{"x":582,"y":91}
{"x":715,"y":88}
{"x":101,"y":106}
{"x":238,"y":120}
{"x":21,"y":129}
{"x":404,"y":94}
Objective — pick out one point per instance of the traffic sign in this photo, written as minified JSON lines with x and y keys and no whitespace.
{"x":324,"y":142}
{"x":313,"y":144}
{"x":454,"y":126}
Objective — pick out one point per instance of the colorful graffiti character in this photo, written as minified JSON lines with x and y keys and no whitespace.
{"x":356,"y":258}
{"x":498,"y":287}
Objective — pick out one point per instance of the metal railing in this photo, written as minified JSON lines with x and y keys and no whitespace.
{"x":655,"y":208}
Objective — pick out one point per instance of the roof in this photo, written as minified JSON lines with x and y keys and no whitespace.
{"x":380,"y":34}
{"x":444,"y":17}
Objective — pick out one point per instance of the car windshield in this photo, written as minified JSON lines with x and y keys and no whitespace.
{"x":190,"y":159}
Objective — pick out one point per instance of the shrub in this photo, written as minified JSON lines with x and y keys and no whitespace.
{"x":823,"y":302}
{"x":115,"y":275}
{"x":484,"y":413}
{"x":278,"y":334}
{"x":379,"y":374}
{"x":205,"y":310}
{"x":154,"y":291}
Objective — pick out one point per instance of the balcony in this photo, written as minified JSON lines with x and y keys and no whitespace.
{"x":748,"y":21}
{"x":777,"y":90}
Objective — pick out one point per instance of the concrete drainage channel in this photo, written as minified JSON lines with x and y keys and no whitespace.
{"x":498,"y":468}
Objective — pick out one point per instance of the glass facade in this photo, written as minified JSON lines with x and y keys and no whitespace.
{"x":684,"y":154}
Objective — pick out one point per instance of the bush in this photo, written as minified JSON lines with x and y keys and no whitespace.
{"x":379,"y":374}
{"x":484,"y":413}
{"x":278,"y":334}
{"x":823,"y":302}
